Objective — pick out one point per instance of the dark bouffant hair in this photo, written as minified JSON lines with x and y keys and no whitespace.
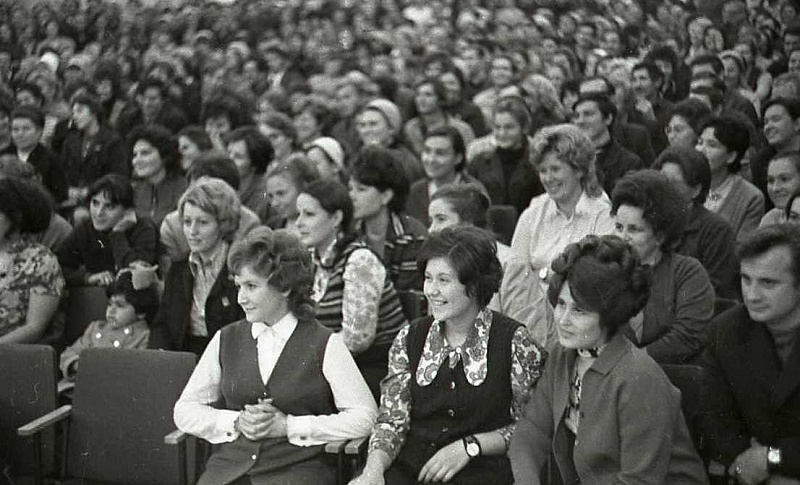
{"x":144,"y":301}
{"x":216,"y":165}
{"x":469,"y":201}
{"x":734,"y":135}
{"x":162,"y":140}
{"x":472,"y":252}
{"x":258,"y":146}
{"x":663,"y":205}
{"x":333,"y":196}
{"x":379,"y":168}
{"x":280,"y":257}
{"x":694,"y":167}
{"x":26,"y":204}
{"x":604,"y":275}
{"x":117,"y":189}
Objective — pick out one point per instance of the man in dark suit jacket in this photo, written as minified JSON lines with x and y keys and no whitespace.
{"x":753,"y":358}
{"x":594,"y":114}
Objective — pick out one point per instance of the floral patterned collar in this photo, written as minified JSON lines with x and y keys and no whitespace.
{"x":473,"y":352}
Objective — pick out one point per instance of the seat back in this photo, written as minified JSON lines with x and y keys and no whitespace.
{"x":84,"y":304}
{"x":122,"y":409}
{"x":501,"y":220}
{"x":691,"y":380}
{"x":27,"y":391}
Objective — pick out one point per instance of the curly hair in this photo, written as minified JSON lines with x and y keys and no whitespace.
{"x":571,"y":146}
{"x":662,"y":204}
{"x":26,"y":204}
{"x":297,"y":170}
{"x":693,"y":165}
{"x":281,"y":258}
{"x":218,"y":198}
{"x":162,"y":140}
{"x":541,"y":89}
{"x":605,"y":275}
{"x":377,"y":167}
{"x":472,"y":253}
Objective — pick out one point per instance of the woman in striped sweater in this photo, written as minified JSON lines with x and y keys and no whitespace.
{"x":352,"y":288}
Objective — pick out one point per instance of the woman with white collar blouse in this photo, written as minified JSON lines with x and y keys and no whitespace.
{"x":457,"y":379}
{"x":243,"y":396}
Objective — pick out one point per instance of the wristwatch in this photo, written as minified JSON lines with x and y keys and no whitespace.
{"x":472,"y":445}
{"x":774,"y":458}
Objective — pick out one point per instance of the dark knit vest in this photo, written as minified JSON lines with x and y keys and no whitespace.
{"x":390,"y":313}
{"x":300,"y":362}
{"x":450,"y":408}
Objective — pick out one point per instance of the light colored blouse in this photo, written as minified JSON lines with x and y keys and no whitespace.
{"x":195,"y":414}
{"x":394,"y":418}
{"x":205,"y":274}
{"x":543,"y":231}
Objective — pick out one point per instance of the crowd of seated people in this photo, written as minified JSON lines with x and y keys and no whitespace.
{"x":418,"y":209}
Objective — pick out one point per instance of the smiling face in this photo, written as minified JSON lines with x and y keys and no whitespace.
{"x":104,"y":214}
{"x":373,"y":129}
{"x":426,"y":99}
{"x":439,"y":158}
{"x":260,"y":301}
{"x":501,"y":72}
{"x":237,"y":151}
{"x":201,"y":230}
{"x":561,"y":182}
{"x":307,"y":127}
{"x":782,"y":180}
{"x":447,"y":296}
{"x":189,"y":152}
{"x":442,"y":215}
{"x":779,"y":127}
{"x":147,"y":162}
{"x":589,"y":118}
{"x":316,"y":226}
{"x":577,"y":327}
{"x":507,"y":130}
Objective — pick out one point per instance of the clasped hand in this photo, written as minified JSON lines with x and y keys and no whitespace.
{"x":260,"y":421}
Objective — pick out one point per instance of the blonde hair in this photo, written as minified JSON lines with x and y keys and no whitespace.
{"x":572,"y":147}
{"x":216,"y":197}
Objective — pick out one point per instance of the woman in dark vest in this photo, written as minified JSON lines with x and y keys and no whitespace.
{"x":459,"y":379}
{"x":352,"y":289}
{"x":243,"y":396}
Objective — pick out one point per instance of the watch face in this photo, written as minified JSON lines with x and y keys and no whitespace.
{"x":472,"y":449}
{"x":774,"y":456}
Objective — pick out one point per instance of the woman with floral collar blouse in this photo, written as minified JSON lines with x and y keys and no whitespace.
{"x":458,"y":379}
{"x":605,"y":410}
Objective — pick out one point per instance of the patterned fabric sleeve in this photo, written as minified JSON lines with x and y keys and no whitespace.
{"x":42,"y":272}
{"x":364,"y":277}
{"x":527,"y":362}
{"x":394,"y":416}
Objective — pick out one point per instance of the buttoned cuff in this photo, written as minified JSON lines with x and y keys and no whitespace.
{"x":226,"y":427}
{"x":298,"y":431}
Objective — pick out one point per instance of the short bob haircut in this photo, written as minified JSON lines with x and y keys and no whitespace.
{"x":572,"y":147}
{"x":693,"y":111}
{"x":469,"y":201}
{"x":662,"y":204}
{"x":258,"y":146}
{"x":281,"y":258}
{"x":115,"y":187}
{"x":377,"y":167}
{"x":217,"y":198}
{"x":456,"y":141}
{"x":605,"y":276}
{"x":297,"y":170}
{"x":693,"y":165}
{"x":144,"y":301}
{"x":198,"y":136}
{"x":472,"y":253}
{"x":26,"y":204}
{"x":516,"y":107}
{"x":333,"y":196}
{"x":216,"y":165}
{"x":771,"y":236}
{"x":733,"y":134}
{"x":162,"y":140}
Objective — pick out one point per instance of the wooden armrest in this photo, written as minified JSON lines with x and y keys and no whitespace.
{"x":175,"y":437}
{"x":49,"y":419}
{"x":356,"y":446}
{"x":335,"y":447}
{"x":64,"y":386}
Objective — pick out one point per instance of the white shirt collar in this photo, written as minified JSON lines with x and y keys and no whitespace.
{"x":283,"y":327}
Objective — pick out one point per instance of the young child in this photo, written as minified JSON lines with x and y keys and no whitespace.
{"x":126,"y":326}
